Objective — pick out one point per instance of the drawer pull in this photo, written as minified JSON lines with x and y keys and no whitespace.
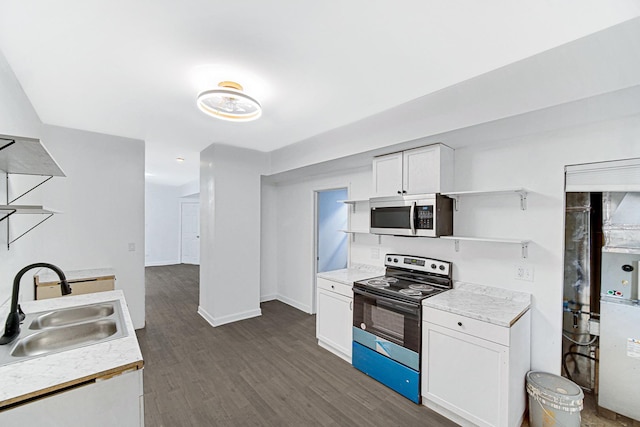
{"x":459,"y":323}
{"x":333,"y":287}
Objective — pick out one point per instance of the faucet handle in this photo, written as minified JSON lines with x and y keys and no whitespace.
{"x":21,"y":313}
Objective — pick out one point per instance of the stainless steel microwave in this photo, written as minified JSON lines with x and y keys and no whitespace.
{"x":420,"y":215}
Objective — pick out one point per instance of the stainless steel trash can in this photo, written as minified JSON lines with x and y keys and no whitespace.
{"x":553,"y":400}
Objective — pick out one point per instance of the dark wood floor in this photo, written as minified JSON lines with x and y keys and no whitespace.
{"x":266,"y":371}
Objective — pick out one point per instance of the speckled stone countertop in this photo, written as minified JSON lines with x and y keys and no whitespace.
{"x":494,"y":305}
{"x":33,"y":377}
{"x":353,"y":273}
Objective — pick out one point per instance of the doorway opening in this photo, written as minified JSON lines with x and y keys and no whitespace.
{"x":331,"y":243}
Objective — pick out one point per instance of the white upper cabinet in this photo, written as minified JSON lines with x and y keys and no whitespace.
{"x":420,"y":170}
{"x":387,"y":175}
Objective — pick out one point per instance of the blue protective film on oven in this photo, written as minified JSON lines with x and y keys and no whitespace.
{"x":391,"y":350}
{"x":392,"y":374}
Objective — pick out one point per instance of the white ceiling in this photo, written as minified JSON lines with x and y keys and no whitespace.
{"x":134,"y":68}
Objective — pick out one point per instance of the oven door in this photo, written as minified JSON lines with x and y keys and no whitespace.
{"x":392,"y":320}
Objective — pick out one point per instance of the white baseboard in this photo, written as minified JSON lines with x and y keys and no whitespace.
{"x":270,"y":297}
{"x":219,"y":321}
{"x":160,"y":263}
{"x":294,"y":303}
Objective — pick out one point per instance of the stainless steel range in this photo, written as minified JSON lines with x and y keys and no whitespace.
{"x":387,"y":319}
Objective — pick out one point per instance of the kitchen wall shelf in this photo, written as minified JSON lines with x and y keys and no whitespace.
{"x":354,"y":232}
{"x":7,"y":210}
{"x":353,"y":203}
{"x":524,"y":244}
{"x":25,"y":156}
{"x":522,"y":192}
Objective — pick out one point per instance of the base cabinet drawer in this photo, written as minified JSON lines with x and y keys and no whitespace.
{"x":467,"y":325}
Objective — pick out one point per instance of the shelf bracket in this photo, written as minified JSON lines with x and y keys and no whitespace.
{"x":26,"y":192}
{"x":525,"y":247}
{"x":11,"y":142}
{"x":523,"y":200}
{"x":9,"y":242}
{"x":456,"y":200}
{"x":456,"y":245}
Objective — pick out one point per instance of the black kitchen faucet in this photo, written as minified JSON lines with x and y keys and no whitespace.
{"x":12,"y":326}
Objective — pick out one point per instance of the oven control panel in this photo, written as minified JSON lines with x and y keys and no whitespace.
{"x":418,"y":263}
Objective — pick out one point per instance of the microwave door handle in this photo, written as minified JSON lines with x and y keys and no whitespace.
{"x":412,"y":218}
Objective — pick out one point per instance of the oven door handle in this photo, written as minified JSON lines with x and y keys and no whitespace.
{"x":412,"y":218}
{"x":390,"y":303}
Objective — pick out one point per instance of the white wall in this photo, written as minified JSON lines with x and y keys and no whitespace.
{"x":162,"y":224}
{"x":289,"y":234}
{"x":102,"y":200}
{"x":269,"y":242}
{"x":230,"y":188}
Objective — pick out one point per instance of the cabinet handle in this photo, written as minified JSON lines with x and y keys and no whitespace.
{"x":399,"y":192}
{"x":333,"y":287}
{"x":350,"y":305}
{"x":459,"y":323}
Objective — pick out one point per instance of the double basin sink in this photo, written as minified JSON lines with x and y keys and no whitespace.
{"x":59,"y":330}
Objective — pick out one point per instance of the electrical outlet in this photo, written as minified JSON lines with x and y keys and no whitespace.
{"x":524,"y":272}
{"x":375,"y":253}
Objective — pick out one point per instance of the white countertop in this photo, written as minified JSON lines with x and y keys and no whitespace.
{"x":494,"y":305}
{"x":354,"y":273}
{"x":30,"y":377}
{"x":48,"y":276}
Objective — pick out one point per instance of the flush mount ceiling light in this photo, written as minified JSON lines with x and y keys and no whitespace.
{"x":228,"y":102}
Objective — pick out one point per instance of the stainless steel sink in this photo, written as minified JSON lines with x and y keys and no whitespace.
{"x":65,"y":329}
{"x":72,"y":315}
{"x":54,"y":339}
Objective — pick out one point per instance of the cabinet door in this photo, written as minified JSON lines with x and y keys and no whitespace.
{"x":387,"y":175}
{"x":421,"y":170}
{"x":465,"y":374}
{"x":334,"y":320}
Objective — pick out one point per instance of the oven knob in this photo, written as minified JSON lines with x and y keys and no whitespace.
{"x":433,"y":266}
{"x":363,"y":326}
{"x":395,"y":260}
{"x":442,"y":267}
{"x":389,"y":259}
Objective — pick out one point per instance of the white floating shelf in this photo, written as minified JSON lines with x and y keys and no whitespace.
{"x":26,"y":156}
{"x":353,"y":201}
{"x":524,"y":244}
{"x":522,"y":192}
{"x":364,"y":231}
{"x":28,"y":209}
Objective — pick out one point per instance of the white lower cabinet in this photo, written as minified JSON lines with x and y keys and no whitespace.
{"x":473,"y":372}
{"x":117,"y":401}
{"x":334,"y":317}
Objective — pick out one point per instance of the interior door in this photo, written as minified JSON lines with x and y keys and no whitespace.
{"x":190,"y":230}
{"x":332,"y":217}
